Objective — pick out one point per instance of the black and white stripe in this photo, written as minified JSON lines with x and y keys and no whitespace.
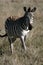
{"x":20,"y":27}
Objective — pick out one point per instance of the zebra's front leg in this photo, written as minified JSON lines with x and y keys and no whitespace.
{"x":23,"y":42}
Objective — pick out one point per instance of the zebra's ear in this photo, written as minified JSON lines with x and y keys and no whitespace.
{"x":24,"y":9}
{"x":34,"y":9}
{"x":29,"y":9}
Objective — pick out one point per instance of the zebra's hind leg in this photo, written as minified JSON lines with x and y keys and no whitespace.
{"x":11,"y":44}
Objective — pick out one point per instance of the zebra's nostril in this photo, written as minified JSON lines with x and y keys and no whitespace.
{"x":30,"y":27}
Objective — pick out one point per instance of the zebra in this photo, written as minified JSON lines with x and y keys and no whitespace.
{"x":18,"y":28}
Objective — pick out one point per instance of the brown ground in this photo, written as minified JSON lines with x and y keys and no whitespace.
{"x":34,"y":43}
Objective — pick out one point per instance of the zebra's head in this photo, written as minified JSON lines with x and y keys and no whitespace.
{"x":29,"y":13}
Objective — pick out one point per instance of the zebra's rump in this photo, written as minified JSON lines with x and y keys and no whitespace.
{"x":10,"y":27}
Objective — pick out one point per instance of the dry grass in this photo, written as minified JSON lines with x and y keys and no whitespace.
{"x":34,"y":53}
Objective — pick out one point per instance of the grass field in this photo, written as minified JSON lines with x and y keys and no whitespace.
{"x":34,"y":53}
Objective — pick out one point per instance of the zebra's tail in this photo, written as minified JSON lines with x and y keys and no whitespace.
{"x":3,"y":35}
